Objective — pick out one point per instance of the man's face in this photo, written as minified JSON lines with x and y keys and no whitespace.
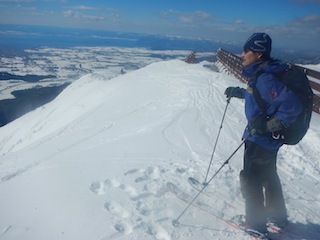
{"x":250,"y":57}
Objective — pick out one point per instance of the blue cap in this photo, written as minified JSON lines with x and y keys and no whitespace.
{"x":259,"y":42}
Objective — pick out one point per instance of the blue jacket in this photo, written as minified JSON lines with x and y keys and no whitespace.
{"x":279,"y":100}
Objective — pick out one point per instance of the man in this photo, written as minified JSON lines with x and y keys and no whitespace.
{"x":269,"y":107}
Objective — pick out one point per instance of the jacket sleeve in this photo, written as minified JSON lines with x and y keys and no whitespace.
{"x":281,"y":102}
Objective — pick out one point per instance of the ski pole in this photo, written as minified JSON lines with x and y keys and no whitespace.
{"x":215,"y":145}
{"x":175,"y":222}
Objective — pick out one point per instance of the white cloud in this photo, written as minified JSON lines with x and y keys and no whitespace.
{"x":308,"y":21}
{"x":186,"y":17}
{"x":91,"y":17}
{"x":202,"y":14}
{"x":238,"y":21}
{"x":83,"y":7}
{"x":27,"y":8}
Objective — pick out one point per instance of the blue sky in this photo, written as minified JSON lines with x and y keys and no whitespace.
{"x":291,"y":23}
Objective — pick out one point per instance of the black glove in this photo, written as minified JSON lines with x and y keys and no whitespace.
{"x":258,"y":125}
{"x":274,"y":125}
{"x":261,"y":125}
{"x":234,"y":92}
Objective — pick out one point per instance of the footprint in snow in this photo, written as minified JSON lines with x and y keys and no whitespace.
{"x":100,"y":187}
{"x":116,"y":209}
{"x":124,"y":227}
{"x":147,"y":206}
{"x":159,"y":232}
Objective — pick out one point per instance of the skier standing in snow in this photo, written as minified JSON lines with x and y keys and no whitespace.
{"x":260,"y":155}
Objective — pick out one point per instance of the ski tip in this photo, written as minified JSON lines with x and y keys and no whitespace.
{"x":193,"y":181}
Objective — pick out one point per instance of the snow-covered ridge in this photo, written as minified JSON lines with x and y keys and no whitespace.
{"x":76,"y":100}
{"x":95,"y":162}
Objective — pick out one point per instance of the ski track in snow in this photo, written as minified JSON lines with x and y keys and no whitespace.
{"x":136,"y":200}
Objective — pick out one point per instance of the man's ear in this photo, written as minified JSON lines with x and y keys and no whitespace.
{"x":259,"y":55}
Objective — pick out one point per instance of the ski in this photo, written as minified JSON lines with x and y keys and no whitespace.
{"x":255,"y":235}
{"x":240,"y":221}
{"x":185,"y":197}
{"x":198,"y":186}
{"x":275,"y":229}
{"x":195,"y":183}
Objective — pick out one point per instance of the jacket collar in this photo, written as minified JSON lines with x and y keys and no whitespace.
{"x":252,"y":70}
{"x":270,"y":66}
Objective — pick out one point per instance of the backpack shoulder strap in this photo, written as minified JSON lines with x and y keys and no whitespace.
{"x":259,"y":100}
{"x":256,"y":94}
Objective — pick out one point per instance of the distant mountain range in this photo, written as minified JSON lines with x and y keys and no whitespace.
{"x":19,"y":37}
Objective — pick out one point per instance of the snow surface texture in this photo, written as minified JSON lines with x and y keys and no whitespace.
{"x":95,"y":162}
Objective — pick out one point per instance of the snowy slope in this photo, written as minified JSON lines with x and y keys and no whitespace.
{"x":95,"y":162}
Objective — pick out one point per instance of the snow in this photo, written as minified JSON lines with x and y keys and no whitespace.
{"x":69,"y":64}
{"x":94,"y":163}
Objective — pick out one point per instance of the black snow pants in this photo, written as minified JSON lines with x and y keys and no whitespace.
{"x":261,"y":187}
